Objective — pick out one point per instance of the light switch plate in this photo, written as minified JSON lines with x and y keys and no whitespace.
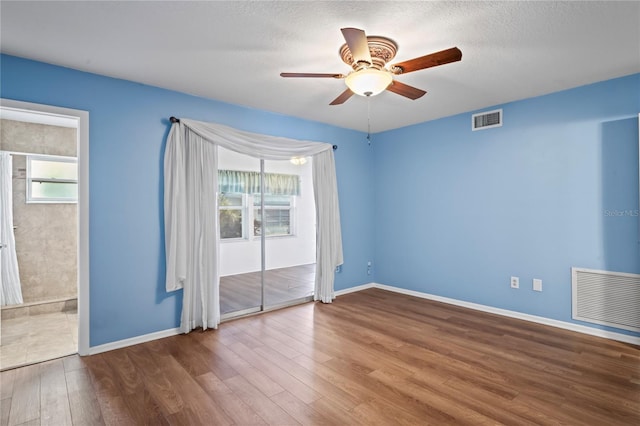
{"x":537,"y":284}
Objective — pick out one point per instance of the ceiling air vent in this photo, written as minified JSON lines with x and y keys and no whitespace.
{"x":486,"y":120}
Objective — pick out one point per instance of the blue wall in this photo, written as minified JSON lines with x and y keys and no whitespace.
{"x":438,"y":208}
{"x":459,"y":212}
{"x":128,"y":129}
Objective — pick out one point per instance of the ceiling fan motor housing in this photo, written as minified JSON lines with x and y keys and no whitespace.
{"x":382,"y":50}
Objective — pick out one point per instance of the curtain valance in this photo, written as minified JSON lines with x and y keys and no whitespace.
{"x":237,"y":181}
{"x":253,"y":144}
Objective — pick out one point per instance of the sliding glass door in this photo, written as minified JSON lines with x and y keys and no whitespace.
{"x":289,"y":227}
{"x":267,"y":233}
{"x":240,"y":254}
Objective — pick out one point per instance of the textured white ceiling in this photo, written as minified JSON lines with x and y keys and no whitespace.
{"x":234,"y":51}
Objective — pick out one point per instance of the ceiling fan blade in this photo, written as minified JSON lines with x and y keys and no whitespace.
{"x":406,"y":90}
{"x":432,"y":60}
{"x":357,"y":41}
{"x":307,"y":74}
{"x":344,"y":96}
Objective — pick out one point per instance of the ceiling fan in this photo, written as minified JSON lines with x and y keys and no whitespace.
{"x":368,"y":56}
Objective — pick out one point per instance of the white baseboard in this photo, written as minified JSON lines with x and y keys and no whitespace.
{"x":612,"y":335}
{"x":133,"y":341}
{"x":484,"y":308}
{"x":354,"y":289}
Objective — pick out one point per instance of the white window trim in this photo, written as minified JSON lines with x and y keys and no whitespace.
{"x":57,"y":158}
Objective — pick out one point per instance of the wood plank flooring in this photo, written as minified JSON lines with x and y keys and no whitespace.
{"x":243,"y":291}
{"x":369,"y":358}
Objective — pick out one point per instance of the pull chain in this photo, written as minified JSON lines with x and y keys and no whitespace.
{"x":369,"y":120}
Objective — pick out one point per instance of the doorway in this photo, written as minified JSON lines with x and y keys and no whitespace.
{"x":267,"y":233}
{"x":48,"y":150}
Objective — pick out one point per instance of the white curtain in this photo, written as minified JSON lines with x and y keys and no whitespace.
{"x":191,"y":223}
{"x":11,"y":292}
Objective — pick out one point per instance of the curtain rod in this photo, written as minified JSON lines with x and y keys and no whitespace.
{"x":172,"y":119}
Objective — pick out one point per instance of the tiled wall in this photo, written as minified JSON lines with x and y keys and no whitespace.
{"x":46,"y":234}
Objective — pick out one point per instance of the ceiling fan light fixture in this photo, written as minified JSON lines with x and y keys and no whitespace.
{"x":369,"y":81}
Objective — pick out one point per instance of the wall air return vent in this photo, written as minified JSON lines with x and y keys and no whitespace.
{"x":607,"y":298}
{"x":486,"y":120}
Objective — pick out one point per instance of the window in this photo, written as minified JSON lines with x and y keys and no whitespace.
{"x":52,"y":179}
{"x":235,"y":216}
{"x":277,"y":215}
{"x":239,"y":204}
{"x":232,"y":208}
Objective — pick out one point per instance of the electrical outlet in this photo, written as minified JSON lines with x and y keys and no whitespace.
{"x":537,"y":284}
{"x":515,"y":282}
{"x":369,"y":268}
{"x":338,"y":269}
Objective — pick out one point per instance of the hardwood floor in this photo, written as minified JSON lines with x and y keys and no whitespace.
{"x":242,"y":291}
{"x":371,"y":358}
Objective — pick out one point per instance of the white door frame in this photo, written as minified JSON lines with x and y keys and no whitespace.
{"x":82,"y":119}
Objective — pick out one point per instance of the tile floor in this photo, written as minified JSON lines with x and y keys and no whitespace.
{"x":36,"y":338}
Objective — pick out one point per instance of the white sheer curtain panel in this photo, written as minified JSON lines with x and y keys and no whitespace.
{"x":191,"y":228}
{"x":328,"y":232}
{"x":9,"y":274}
{"x":191,"y":240}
